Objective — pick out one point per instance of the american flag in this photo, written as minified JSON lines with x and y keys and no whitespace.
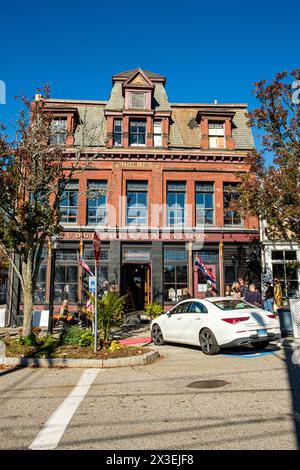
{"x":84,"y":265}
{"x":204,"y":270}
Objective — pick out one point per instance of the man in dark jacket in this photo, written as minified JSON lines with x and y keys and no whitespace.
{"x":254,"y":297}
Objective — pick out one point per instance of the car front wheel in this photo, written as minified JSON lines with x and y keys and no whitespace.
{"x":157,"y":336}
{"x":208,"y":342}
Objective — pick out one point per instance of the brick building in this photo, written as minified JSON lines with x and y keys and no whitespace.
{"x":162,"y":180}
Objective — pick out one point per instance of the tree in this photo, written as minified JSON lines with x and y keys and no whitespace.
{"x":34,"y":172}
{"x":274,"y":194}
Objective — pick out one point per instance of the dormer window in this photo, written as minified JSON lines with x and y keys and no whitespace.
{"x":216,"y":134}
{"x":58,"y":131}
{"x":137,"y":100}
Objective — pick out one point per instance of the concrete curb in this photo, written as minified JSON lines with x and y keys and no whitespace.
{"x":142,"y":359}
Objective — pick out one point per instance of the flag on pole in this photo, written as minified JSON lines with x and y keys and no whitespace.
{"x":85,"y":266}
{"x":207,"y":274}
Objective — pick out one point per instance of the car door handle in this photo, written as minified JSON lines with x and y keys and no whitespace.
{"x":179,"y":318}
{"x":199,"y":318}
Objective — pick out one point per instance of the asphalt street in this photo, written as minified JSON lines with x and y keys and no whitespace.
{"x":154,"y":406}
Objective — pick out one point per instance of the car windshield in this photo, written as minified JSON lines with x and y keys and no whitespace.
{"x":232,"y":304}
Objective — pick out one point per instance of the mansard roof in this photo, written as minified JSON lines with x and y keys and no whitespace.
{"x":185,"y":131}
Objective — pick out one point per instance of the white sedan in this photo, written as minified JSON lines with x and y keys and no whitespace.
{"x":214,"y":323}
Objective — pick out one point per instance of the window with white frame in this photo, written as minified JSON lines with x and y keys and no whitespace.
{"x":157,"y":134}
{"x":216,"y":134}
{"x":204,"y":203}
{"x":286,"y":267}
{"x":117,"y":132}
{"x":230,"y":193}
{"x":96,"y":202}
{"x":58,"y":131}
{"x":137,"y":208}
{"x":137,"y":135}
{"x":68,"y":204}
{"x":176,"y":204}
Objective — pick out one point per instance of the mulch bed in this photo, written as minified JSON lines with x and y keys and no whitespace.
{"x":76,"y":352}
{"x":14,"y":349}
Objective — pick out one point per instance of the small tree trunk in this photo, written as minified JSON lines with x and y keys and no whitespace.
{"x":27,"y":294}
{"x":27,"y":321}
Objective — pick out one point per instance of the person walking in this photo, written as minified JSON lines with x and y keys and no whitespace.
{"x":277,"y":294}
{"x":269,"y":297}
{"x":254,"y":297}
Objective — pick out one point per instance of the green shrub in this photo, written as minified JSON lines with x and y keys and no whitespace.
{"x":86,"y":338}
{"x":110,"y":312}
{"x":154,"y":310}
{"x":76,"y":336}
{"x":30,"y":340}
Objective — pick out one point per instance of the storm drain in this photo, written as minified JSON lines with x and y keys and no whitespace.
{"x":208,"y":384}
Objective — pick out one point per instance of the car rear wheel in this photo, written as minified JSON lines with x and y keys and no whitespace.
{"x":157,"y":336}
{"x":208,"y":342}
{"x":260,"y":344}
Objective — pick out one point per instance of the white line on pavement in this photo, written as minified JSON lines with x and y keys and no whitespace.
{"x":52,"y":432}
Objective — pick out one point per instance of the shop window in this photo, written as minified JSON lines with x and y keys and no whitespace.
{"x":286,"y":270}
{"x":39,"y":295}
{"x":175,"y":274}
{"x":175,"y":204}
{"x":96,"y":202}
{"x":204,"y":203}
{"x":66,"y":275}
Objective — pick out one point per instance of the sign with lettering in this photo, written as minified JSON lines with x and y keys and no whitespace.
{"x":137,"y":166}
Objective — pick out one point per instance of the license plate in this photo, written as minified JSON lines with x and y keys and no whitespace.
{"x":262,"y":333}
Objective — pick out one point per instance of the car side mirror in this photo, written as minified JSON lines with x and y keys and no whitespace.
{"x":169,"y":314}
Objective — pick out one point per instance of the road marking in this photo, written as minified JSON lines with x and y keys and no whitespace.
{"x":52,"y":432}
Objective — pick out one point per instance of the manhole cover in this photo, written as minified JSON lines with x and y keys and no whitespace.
{"x":208,"y":384}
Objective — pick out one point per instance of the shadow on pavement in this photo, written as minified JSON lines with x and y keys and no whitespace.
{"x":293,"y":371}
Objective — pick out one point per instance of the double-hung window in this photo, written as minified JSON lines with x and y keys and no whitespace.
{"x":216,"y":134}
{"x":175,"y":204}
{"x":137,"y":203}
{"x":157,"y":134}
{"x":231,"y":217}
{"x":68,"y":204}
{"x":117,"y":132}
{"x":137,"y":135}
{"x":96,"y":202}
{"x":58,"y":131}
{"x":204,"y":203}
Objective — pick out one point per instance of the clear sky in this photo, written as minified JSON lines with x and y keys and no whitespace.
{"x":207,"y":49}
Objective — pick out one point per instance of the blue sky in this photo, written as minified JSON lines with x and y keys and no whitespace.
{"x":207,"y":50}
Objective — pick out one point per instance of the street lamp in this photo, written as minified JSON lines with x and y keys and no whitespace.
{"x":54,"y":247}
